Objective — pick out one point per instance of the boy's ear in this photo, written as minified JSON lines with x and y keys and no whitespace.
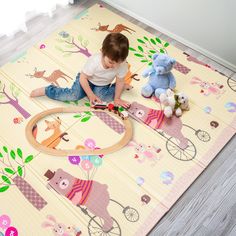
{"x":101,"y":52}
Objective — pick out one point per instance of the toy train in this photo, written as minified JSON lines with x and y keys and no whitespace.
{"x":112,"y":108}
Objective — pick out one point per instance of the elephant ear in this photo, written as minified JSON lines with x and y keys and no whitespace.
{"x":154,"y":56}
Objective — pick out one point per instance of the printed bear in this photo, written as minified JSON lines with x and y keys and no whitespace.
{"x":89,"y":193}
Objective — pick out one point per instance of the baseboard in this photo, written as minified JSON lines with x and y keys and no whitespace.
{"x":175,"y":37}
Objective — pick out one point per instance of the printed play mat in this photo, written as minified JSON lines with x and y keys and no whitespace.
{"x":125,"y":192}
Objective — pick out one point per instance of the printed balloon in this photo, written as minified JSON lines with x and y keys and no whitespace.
{"x":90,"y":143}
{"x":96,"y":160}
{"x":140,"y":181}
{"x":5,"y":221}
{"x":86,"y":165}
{"x":11,"y":231}
{"x":75,"y":160}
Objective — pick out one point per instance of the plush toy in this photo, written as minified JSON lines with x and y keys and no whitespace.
{"x":160,"y":76}
{"x":182,"y":103}
{"x":174,"y":103}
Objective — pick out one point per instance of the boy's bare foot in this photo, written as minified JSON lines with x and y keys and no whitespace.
{"x":38,"y":92}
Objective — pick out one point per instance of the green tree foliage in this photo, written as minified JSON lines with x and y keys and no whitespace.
{"x":12,"y":163}
{"x":148,"y":47}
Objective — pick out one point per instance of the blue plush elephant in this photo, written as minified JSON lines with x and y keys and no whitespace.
{"x":160,"y":76}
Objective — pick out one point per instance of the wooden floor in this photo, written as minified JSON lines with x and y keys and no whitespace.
{"x":208,"y":207}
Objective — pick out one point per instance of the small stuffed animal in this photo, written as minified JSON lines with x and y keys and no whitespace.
{"x":168,"y":100}
{"x":182,"y":103}
{"x":174,"y":103}
{"x":160,"y":76}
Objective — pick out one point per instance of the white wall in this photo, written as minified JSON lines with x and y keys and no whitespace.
{"x":208,"y":26}
{"x":15,"y":14}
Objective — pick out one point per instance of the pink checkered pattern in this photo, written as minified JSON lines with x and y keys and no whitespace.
{"x":110,"y":121}
{"x":30,"y":194}
{"x":181,"y":68}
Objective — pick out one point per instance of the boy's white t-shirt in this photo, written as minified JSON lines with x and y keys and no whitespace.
{"x":100,"y":76}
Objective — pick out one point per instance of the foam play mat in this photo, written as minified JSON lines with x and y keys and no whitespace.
{"x":123,"y":192}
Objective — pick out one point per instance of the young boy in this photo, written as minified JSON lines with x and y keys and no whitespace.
{"x":95,"y":79}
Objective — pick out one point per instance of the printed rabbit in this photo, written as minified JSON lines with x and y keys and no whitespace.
{"x":60,"y":229}
{"x":208,"y":88}
{"x":144,"y":152}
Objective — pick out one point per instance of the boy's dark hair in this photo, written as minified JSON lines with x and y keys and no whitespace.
{"x":116,"y":47}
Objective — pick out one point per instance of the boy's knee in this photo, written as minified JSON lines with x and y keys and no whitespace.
{"x":74,"y":96}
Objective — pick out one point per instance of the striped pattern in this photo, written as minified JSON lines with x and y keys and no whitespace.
{"x":155,"y":118}
{"x":80,"y":185}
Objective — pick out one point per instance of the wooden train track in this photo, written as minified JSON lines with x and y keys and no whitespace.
{"x":60,"y":152}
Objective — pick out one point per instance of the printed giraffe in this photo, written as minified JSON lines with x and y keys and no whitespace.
{"x":55,"y":75}
{"x":54,"y":140}
{"x":117,"y":29}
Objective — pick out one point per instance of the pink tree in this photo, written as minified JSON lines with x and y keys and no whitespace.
{"x":12,"y":99}
{"x":73,"y":46}
{"x":12,"y":172}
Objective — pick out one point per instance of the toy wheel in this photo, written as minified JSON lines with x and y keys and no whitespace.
{"x":131,"y":214}
{"x":95,"y":227}
{"x":232,"y":84}
{"x":187,"y":154}
{"x":203,"y":135}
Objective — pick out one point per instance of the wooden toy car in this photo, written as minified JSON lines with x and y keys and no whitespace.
{"x":102,"y":105}
{"x":124,"y":114}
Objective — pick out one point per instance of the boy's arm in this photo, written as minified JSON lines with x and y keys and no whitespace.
{"x":85,"y":85}
{"x":118,"y":91}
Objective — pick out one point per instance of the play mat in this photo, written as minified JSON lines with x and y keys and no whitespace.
{"x":125,"y":192}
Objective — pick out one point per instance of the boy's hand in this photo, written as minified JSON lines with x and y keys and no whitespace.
{"x":94,"y":99}
{"x":122,"y":103}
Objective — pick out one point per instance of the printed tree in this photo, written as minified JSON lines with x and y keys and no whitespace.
{"x":69,"y":42}
{"x":12,"y":172}
{"x":76,"y":103}
{"x":148,"y":47}
{"x":11,"y":98}
{"x":84,"y":116}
